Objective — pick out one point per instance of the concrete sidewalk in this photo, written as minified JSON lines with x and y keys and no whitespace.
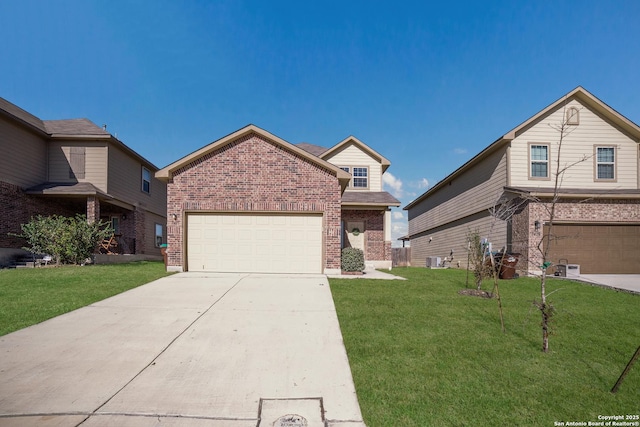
{"x":625,"y":282}
{"x":186,"y":350}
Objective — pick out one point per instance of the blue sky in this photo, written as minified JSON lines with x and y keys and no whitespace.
{"x":426,"y":84}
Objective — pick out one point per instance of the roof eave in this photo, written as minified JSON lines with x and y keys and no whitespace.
{"x":167,"y":172}
{"x":364,"y":204}
{"x":470,"y":163}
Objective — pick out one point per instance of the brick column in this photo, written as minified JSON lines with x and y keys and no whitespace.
{"x":93,"y":209}
{"x":139,"y":224}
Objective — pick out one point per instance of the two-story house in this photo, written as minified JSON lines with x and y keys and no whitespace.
{"x":597,"y":211}
{"x":70,"y":167}
{"x":253,"y":202}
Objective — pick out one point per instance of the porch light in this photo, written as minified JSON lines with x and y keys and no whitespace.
{"x":536,"y":224}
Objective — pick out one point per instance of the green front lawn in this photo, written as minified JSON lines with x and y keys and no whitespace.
{"x":423,"y":355}
{"x":30,"y":296}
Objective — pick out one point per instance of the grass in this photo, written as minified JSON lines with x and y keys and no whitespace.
{"x":423,"y":355}
{"x":30,"y":296}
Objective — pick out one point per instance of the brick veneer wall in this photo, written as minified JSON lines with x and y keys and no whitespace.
{"x":375,"y":246}
{"x":253,"y":175}
{"x":17,"y":208}
{"x":525,"y":238}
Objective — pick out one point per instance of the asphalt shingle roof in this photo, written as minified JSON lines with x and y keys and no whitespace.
{"x":74,"y":127}
{"x":369,"y":197}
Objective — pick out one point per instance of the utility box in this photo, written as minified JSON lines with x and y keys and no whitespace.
{"x":568,"y":270}
{"x":433,"y":261}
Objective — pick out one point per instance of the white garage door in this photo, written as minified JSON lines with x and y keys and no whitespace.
{"x":267,"y":243}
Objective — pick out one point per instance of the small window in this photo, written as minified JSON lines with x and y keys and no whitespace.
{"x":605,"y":163}
{"x":360,"y":177}
{"x":348,"y":170}
{"x":159,"y":235}
{"x":115,"y":224}
{"x":539,"y":156}
{"x":146,"y":180}
{"x":573,"y":116}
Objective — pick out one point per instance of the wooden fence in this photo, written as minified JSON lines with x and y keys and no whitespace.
{"x":401,"y":257}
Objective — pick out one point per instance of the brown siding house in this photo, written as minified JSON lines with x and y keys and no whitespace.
{"x":67,"y":167}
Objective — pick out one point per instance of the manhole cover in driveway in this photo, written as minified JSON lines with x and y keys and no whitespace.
{"x":291,"y":420}
{"x":293,"y":412}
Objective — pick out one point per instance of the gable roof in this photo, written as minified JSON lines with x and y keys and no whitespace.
{"x":167,"y":172}
{"x":582,"y":95}
{"x":20,"y":115}
{"x":364,"y":147}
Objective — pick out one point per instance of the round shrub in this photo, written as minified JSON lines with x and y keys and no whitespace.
{"x":352,"y":259}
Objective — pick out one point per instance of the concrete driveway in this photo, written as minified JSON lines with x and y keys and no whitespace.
{"x":192,"y":349}
{"x":625,"y":282}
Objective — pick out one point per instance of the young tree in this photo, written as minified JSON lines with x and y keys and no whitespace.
{"x":544,"y":305}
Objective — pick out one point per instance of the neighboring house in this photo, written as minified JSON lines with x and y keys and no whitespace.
{"x":67,"y":167}
{"x":252,"y":202}
{"x":597,"y":222}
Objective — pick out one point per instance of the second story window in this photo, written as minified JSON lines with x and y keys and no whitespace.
{"x":539,"y":158}
{"x":605,"y":163}
{"x":146,"y":180}
{"x":360,"y":177}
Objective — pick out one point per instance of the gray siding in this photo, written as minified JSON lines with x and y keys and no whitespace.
{"x":474,"y":191}
{"x":125,"y":183}
{"x":453,"y":236}
{"x":23,"y":155}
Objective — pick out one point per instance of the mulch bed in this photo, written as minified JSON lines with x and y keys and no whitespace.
{"x":475,"y":293}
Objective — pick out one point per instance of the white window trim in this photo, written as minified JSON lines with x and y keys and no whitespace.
{"x":596,"y":163}
{"x":530,"y":160}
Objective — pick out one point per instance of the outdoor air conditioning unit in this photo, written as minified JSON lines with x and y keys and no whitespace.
{"x":433,"y":261}
{"x":568,"y":270}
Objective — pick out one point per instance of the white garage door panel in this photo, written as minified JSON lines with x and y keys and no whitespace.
{"x":254,"y":243}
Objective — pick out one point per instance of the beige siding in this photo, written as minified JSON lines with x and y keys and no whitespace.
{"x":95,"y":162}
{"x":352,"y":156}
{"x":23,"y":156}
{"x":125,"y":183}
{"x":474,"y":191}
{"x":578,"y":143}
{"x":442,"y":240}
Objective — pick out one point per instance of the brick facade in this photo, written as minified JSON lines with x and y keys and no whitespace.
{"x":375,"y":245}
{"x":253,"y":174}
{"x":525,"y":237}
{"x":18,"y":208}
